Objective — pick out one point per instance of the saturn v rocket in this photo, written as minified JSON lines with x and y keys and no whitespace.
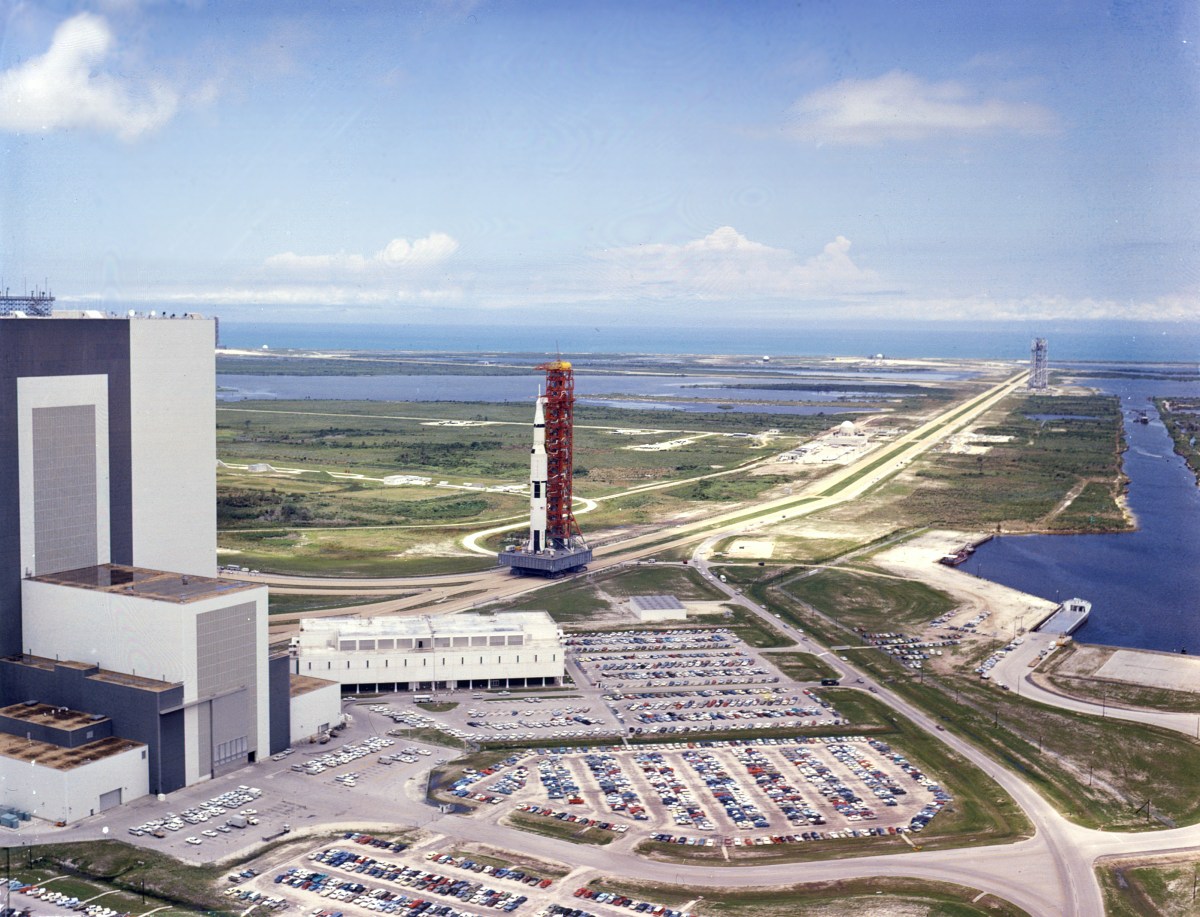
{"x":539,"y":473}
{"x":555,"y":545}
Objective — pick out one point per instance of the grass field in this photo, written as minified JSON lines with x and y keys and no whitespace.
{"x":1166,"y":886}
{"x":865,"y":598}
{"x":111,"y":865}
{"x":801,"y":666}
{"x":302,"y":486}
{"x":559,"y":830}
{"x":1182,"y":418}
{"x":1019,"y":482}
{"x":846,"y":898}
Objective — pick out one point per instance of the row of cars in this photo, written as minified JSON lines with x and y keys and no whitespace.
{"x":500,"y":872}
{"x":257,"y":900}
{"x":585,"y":821}
{"x":347,"y":754}
{"x":640,"y":907}
{"x":650,"y":639}
{"x":391,"y":901}
{"x":766,"y":840}
{"x":45,"y":895}
{"x":219,"y":807}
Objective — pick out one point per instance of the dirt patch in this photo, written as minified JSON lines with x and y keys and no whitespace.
{"x":1083,"y":660}
{"x":752,"y":549}
{"x":1010,"y":611}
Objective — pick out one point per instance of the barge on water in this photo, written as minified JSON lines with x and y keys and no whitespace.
{"x":1067,"y":618}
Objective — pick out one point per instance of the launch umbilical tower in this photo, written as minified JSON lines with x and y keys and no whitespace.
{"x":558,"y":406}
{"x":555,"y":545}
{"x":1039,"y":367}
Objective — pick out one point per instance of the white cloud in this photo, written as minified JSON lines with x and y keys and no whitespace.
{"x":725,"y":263}
{"x":65,"y":88}
{"x":901,"y":106}
{"x":432,"y":249}
{"x":283,"y":295}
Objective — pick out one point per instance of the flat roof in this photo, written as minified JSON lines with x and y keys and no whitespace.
{"x":119,"y":678}
{"x":43,"y":754}
{"x":49,"y":715}
{"x":505,"y":622}
{"x":656,"y":602}
{"x":306,"y":684}
{"x":145,"y":583}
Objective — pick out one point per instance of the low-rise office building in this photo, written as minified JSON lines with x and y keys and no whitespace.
{"x":513,"y":649}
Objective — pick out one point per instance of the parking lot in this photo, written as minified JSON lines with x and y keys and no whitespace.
{"x":723,"y":709}
{"x":806,"y":788}
{"x":363,"y":873}
{"x":622,"y":661}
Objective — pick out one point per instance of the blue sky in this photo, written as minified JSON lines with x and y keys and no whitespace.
{"x":627,"y":162}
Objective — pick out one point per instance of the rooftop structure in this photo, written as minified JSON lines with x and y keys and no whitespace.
{"x":148,"y":584}
{"x":43,"y":754}
{"x":37,"y":303}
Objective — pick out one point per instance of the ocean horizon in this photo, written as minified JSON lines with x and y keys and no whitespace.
{"x":1136,"y":342}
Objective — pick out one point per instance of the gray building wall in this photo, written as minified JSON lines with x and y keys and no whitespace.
{"x":227,"y":676}
{"x":59,"y":347}
{"x":48,"y":732}
{"x":279,"y":702}
{"x":64,"y":488}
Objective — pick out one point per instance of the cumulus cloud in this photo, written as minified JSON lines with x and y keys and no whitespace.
{"x":725,"y":263}
{"x":66,"y":88}
{"x":399,"y":253}
{"x":903,"y":107}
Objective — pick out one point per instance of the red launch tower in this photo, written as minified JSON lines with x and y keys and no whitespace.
{"x":559,"y":408}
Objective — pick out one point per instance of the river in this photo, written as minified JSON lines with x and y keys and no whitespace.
{"x":1144,"y":586}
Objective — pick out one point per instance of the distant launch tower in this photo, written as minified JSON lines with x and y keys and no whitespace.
{"x":1039,"y":368}
{"x":555,"y":545}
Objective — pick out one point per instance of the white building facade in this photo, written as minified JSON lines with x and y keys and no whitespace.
{"x":514,"y":649}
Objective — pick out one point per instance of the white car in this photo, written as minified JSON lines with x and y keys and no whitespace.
{"x":208,"y":832}
{"x":194,"y":840}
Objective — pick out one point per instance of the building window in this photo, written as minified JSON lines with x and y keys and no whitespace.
{"x":310,"y":666}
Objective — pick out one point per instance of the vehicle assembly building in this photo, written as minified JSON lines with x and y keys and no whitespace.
{"x":126,"y":666}
{"x":555,"y":545}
